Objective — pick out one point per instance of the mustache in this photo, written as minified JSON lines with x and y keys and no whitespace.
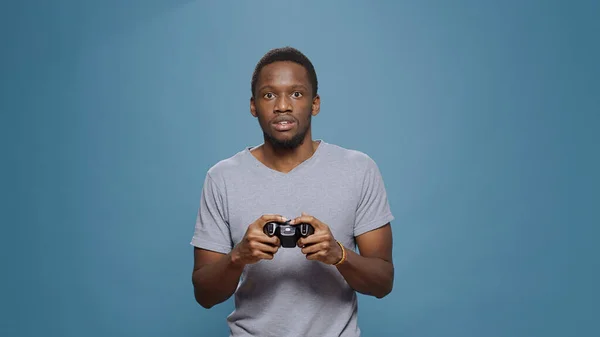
{"x":284,"y":118}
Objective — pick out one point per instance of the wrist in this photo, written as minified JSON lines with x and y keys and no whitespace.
{"x":235,"y":260}
{"x":342,"y":254}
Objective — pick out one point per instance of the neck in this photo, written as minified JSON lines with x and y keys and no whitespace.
{"x":285,"y":160}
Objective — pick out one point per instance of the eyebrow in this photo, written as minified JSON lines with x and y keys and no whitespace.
{"x":293,"y":86}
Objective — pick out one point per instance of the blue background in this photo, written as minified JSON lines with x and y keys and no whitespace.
{"x":482,"y":115}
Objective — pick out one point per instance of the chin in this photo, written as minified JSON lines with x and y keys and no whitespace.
{"x":285,"y":142}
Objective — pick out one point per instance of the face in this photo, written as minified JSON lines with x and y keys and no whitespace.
{"x":283,"y":104}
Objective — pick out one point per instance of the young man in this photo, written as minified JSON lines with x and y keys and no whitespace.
{"x":308,"y":290}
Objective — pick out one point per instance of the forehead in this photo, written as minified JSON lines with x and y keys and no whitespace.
{"x":282,"y":73}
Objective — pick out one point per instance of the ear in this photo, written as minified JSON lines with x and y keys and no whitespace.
{"x":252,"y":106}
{"x":316,"y":105}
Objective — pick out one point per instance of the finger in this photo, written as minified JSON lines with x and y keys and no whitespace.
{"x":314,"y":248}
{"x":313,"y":239}
{"x":262,"y":255}
{"x":307,"y":218}
{"x":275,"y":241}
{"x":260,"y":236}
{"x":271,"y":217}
{"x":314,"y":256}
{"x":260,"y":222}
{"x":263,"y":247}
{"x":304,"y":216}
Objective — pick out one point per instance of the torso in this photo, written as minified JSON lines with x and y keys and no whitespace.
{"x":290,"y":295}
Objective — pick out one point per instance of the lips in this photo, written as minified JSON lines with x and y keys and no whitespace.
{"x":284,"y":123}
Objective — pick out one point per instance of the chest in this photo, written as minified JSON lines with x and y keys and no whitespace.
{"x":332,"y":200}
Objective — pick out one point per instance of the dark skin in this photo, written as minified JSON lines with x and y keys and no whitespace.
{"x":371,"y":272}
{"x":284,"y":90}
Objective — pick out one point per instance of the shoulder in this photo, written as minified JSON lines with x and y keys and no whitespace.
{"x":231,"y":166}
{"x":356,"y":159}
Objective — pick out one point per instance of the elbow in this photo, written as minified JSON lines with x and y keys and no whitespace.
{"x":380,"y":291}
{"x":201,"y":297}
{"x":384,"y":292}
{"x":208,"y":298}
{"x":387,"y":288}
{"x":205,"y":305}
{"x":204,"y":302}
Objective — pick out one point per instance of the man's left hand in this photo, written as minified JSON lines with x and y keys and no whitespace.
{"x":321,"y":245}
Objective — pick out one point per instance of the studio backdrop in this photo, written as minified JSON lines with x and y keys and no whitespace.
{"x":482,"y":117}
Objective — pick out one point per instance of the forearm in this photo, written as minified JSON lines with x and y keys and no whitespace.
{"x":216,"y":282}
{"x":367,"y":275}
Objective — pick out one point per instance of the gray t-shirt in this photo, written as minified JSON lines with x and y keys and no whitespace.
{"x":290,"y":295}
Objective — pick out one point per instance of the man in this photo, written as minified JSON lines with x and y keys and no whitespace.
{"x":309,"y":290}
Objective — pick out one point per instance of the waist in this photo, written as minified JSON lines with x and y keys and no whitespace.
{"x":294,"y":315}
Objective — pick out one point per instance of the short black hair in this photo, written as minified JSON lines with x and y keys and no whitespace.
{"x":286,"y":54}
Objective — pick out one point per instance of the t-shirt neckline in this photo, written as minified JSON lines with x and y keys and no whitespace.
{"x":300,"y":167}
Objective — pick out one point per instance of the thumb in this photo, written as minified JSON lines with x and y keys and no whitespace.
{"x":315,"y":223}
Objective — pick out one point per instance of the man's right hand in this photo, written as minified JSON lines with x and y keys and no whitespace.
{"x":256,"y":245}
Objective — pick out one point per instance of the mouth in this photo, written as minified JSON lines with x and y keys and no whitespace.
{"x":284,"y":123}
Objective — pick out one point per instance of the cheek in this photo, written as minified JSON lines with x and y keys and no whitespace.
{"x":304,"y":108}
{"x":261,"y":113}
{"x":307,"y":112}
{"x":262,"y":120}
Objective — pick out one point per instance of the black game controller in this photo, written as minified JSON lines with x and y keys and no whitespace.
{"x":288,"y":234}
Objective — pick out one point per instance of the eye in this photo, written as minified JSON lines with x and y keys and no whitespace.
{"x":297,"y":94}
{"x":268,"y":95}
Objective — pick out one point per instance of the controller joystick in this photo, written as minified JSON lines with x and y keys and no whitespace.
{"x":288,"y":234}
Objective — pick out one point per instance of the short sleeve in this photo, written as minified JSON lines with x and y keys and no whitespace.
{"x":373,"y":209}
{"x":211,"y":231}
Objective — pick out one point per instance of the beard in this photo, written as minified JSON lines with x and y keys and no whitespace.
{"x":291,"y":143}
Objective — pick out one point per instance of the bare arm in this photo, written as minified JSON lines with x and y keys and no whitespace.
{"x":215,"y":277}
{"x":372,"y":271}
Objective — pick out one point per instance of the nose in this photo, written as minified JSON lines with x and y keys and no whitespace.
{"x":283,"y":104}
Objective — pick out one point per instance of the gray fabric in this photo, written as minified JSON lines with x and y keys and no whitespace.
{"x":289,"y":295}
